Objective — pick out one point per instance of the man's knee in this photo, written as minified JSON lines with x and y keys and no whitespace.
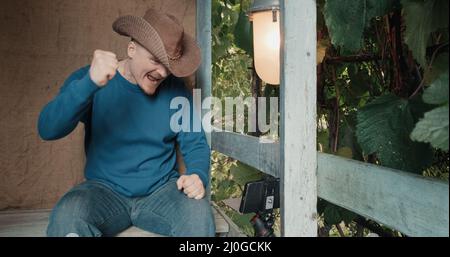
{"x":73,"y":204}
{"x":199,"y":218}
{"x":70,"y":217}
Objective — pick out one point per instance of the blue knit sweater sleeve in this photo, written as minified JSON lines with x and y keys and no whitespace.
{"x":194,"y":147}
{"x":60,"y":116}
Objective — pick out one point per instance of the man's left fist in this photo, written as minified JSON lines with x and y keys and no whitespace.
{"x":192,"y":185}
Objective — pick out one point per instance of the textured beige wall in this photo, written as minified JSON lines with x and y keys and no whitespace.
{"x":41,"y":43}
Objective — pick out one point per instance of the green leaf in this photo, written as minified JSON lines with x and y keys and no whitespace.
{"x":334,"y":214}
{"x":331,"y":214}
{"x":241,"y":220}
{"x":220,"y":50}
{"x":384,"y":126}
{"x":216,"y":10}
{"x":321,"y":205}
{"x":345,"y":23}
{"x":219,"y":194}
{"x":347,"y":19}
{"x":358,"y":78}
{"x":347,"y":216}
{"x":437,"y":93}
{"x":439,"y":66}
{"x":421,"y":19}
{"x":433,"y":128}
{"x":358,"y":86}
{"x":242,"y":173}
{"x":243,"y":34}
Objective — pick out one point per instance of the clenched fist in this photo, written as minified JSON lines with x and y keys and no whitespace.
{"x":192,"y":185}
{"x":103,"y":67}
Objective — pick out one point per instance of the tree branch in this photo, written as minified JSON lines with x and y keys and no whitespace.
{"x":422,"y":83}
{"x":339,"y":229}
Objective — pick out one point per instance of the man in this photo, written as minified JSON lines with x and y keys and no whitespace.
{"x":131,"y":171}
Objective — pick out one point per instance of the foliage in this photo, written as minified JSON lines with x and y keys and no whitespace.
{"x":433,"y":128}
{"x":382,"y":87}
{"x":384,"y":126}
{"x":230,"y":64}
{"x":243,"y":173}
{"x":347,"y":19}
{"x":222,"y":186}
{"x":334,"y":214}
{"x":433,"y":16}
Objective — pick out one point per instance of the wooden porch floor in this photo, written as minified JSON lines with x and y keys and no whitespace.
{"x":33,"y":223}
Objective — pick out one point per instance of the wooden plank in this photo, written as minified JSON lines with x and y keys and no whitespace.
{"x":33,"y":223}
{"x":412,"y":204}
{"x":298,"y":118}
{"x":262,"y":155}
{"x":222,"y":226}
{"x":234,"y":230}
{"x":23,"y":223}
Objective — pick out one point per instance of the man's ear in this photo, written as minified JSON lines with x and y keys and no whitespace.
{"x":131,"y":49}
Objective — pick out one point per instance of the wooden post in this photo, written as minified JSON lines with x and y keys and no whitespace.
{"x":298,"y":118}
{"x":203,"y":75}
{"x":203,"y":27}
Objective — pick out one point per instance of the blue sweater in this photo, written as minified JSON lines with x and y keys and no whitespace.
{"x":128,"y":140}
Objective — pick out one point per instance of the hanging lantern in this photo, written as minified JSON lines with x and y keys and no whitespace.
{"x":265,"y":15}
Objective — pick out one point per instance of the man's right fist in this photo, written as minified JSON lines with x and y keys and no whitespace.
{"x":103,"y":67}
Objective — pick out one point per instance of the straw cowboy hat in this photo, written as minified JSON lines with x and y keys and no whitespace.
{"x":163,"y":36}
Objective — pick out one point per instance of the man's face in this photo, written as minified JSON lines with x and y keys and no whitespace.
{"x":147,"y":70}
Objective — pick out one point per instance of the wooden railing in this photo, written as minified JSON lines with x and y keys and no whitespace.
{"x":412,"y":204}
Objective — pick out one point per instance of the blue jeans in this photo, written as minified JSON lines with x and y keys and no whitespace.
{"x":94,"y":209}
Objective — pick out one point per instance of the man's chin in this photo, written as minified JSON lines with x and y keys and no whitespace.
{"x":149,"y":89}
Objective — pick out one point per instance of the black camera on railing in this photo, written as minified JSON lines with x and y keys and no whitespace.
{"x":261,"y":197}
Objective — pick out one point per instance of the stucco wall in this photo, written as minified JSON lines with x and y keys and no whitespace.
{"x":41,"y":43}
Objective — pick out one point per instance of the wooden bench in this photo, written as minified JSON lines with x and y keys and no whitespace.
{"x":33,"y":223}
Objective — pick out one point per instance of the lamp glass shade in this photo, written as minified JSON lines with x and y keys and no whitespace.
{"x":266,"y":43}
